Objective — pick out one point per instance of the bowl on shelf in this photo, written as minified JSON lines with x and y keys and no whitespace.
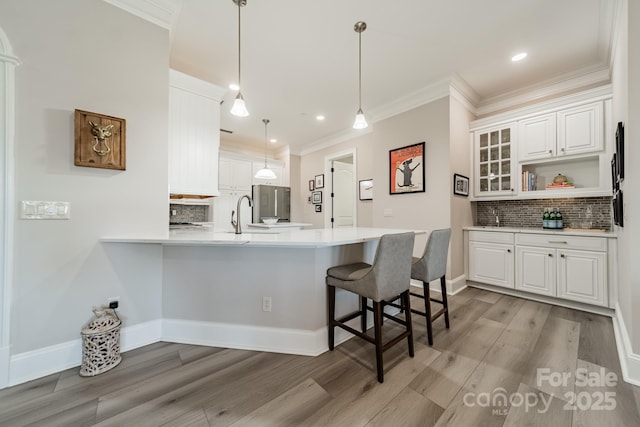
{"x":269,"y":220}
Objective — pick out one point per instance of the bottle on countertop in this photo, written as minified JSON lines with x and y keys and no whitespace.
{"x":559,"y":222}
{"x":552,"y":219}
{"x":545,"y":218}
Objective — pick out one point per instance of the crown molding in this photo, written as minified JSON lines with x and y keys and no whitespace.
{"x":589,"y":76}
{"x":160,"y":12}
{"x":331,"y":140}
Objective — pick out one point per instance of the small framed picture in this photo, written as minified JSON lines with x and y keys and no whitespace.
{"x":316,"y":197}
{"x":320,"y":181}
{"x":312,"y":185}
{"x":318,"y":208}
{"x":366,"y":189}
{"x":460,"y":185}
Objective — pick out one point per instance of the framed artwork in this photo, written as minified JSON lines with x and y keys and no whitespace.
{"x":100,"y":141}
{"x":312,"y":185}
{"x":365,"y":189}
{"x":615,"y":184}
{"x":320,"y":181}
{"x":316,"y":197}
{"x":460,"y":185}
{"x":318,"y":208}
{"x":620,"y":151}
{"x":406,"y":169}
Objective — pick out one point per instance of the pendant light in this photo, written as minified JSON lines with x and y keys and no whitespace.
{"x":265,"y":173}
{"x":239,"y":108}
{"x":360,"y":122}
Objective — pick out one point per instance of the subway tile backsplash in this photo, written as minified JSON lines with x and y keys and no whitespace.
{"x":188,"y":213}
{"x":583,"y":212}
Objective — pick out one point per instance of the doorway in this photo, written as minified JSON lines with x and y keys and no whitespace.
{"x":341,"y":197}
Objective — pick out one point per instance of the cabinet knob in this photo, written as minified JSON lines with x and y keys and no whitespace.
{"x":550,"y":151}
{"x":509,"y":250}
{"x":561,"y":255}
{"x":562,"y":149}
{"x":550,"y":255}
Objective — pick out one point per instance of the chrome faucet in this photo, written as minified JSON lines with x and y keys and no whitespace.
{"x":236,"y":223}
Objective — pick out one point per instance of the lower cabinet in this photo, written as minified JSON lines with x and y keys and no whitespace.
{"x":567,"y":267}
{"x":491,"y":258}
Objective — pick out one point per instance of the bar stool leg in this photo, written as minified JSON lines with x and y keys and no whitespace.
{"x":443,"y":285}
{"x":331,"y":299}
{"x":363,"y":314}
{"x":407,"y":319}
{"x":427,"y":311}
{"x":377,"y":321}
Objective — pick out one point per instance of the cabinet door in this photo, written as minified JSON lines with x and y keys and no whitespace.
{"x":580,"y":129}
{"x":243,"y":176}
{"x":226,"y":174}
{"x":493,"y":158}
{"x":582,"y":276}
{"x":536,"y":270}
{"x":537,"y":137}
{"x":235,"y":174}
{"x":491,"y":263}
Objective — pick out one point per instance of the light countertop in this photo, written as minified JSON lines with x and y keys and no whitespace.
{"x":312,"y":238}
{"x":280,"y":225}
{"x":538,"y":230}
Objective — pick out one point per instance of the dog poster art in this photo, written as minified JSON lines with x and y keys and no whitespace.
{"x":406,"y":169}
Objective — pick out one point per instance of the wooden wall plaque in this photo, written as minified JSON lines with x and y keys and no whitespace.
{"x":100,"y":141}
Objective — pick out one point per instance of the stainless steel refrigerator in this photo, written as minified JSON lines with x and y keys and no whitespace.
{"x":271,"y":200}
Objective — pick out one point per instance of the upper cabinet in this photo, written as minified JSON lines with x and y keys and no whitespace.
{"x":194,"y":135}
{"x":493,"y":154}
{"x":519,"y":153}
{"x":568,"y":132}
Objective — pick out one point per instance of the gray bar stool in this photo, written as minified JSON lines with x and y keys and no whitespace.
{"x":431,"y":266}
{"x":387,"y":278}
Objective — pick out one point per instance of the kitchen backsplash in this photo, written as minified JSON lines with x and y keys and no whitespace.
{"x":188,"y":213}
{"x":585,"y":212}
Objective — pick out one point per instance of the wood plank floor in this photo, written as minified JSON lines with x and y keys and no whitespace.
{"x":504,"y":362}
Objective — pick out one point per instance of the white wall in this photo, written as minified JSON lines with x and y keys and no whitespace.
{"x":89,"y":55}
{"x":428,"y":210}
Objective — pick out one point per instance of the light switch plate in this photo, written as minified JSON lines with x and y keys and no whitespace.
{"x":34,"y":209}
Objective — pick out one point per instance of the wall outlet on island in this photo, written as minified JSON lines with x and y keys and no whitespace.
{"x":266,"y":303}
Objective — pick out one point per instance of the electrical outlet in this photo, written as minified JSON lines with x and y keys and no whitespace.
{"x":113,"y":302}
{"x":266,"y":303}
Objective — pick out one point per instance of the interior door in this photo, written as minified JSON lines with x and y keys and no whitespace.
{"x":343,"y":194}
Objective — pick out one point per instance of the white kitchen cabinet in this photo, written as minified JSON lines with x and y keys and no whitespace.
{"x":235,"y":174}
{"x":491,"y":258}
{"x":194,"y":135}
{"x":494,"y":169}
{"x":278,"y":170}
{"x":537,"y":137}
{"x":567,"y":267}
{"x":536,"y":270}
{"x":582,"y":276}
{"x":568,"y":132}
{"x":580,"y":129}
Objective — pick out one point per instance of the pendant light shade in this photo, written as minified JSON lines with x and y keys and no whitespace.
{"x":265,"y":173}
{"x":360,"y":122}
{"x":239,"y":108}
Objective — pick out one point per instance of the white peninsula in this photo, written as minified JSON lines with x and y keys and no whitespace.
{"x":214,"y":284}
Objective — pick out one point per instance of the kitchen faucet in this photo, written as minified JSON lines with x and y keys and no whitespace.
{"x":236,"y":223}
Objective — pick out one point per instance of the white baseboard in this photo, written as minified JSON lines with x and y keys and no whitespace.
{"x":38,"y":363}
{"x":629,"y":361}
{"x":453,"y":286}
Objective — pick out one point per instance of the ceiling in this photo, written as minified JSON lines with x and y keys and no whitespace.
{"x":300,"y":57}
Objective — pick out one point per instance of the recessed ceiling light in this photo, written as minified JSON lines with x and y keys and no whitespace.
{"x":273,"y":140}
{"x":320,"y":117}
{"x":519,"y":56}
{"x":234,"y":86}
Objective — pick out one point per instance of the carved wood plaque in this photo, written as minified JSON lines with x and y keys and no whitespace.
{"x":100,"y":141}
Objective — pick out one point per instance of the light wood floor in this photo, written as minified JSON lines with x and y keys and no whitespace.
{"x":494,"y":347}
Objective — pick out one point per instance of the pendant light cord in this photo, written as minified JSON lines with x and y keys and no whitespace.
{"x":239,"y":51}
{"x":266,"y":121}
{"x":360,"y":70}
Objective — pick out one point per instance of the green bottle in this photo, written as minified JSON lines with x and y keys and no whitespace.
{"x":552,"y":220}
{"x":545,"y":218}
{"x":559,"y":222}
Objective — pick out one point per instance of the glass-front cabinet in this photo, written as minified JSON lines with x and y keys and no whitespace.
{"x":494,"y":170}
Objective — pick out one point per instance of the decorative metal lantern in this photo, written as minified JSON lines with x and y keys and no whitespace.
{"x":100,"y":342}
